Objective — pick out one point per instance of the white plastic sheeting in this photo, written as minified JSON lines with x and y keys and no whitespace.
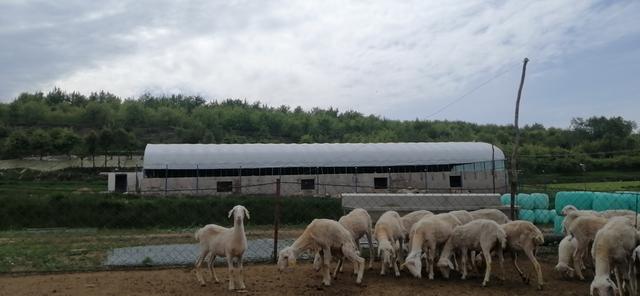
{"x":231,"y":156}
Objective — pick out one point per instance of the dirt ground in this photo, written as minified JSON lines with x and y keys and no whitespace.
{"x":266,"y":280}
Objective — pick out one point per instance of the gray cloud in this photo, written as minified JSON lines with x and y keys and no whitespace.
{"x":398,"y":59}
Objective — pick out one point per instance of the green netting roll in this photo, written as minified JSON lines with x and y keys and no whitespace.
{"x":505,"y":199}
{"x":525,"y":201}
{"x":540,"y":201}
{"x":612,"y":201}
{"x":544,"y":216}
{"x":582,"y":200}
{"x":526,"y":215}
{"x":557,"y":224}
{"x":633,"y":200}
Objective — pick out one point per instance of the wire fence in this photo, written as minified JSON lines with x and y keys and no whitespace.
{"x":49,"y":229}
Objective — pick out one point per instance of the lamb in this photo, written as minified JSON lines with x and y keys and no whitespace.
{"x":409,"y":220}
{"x":525,"y":237}
{"x":389,"y":232}
{"x":358,"y":222}
{"x":231,"y":243}
{"x":572,"y":216}
{"x":430,"y":232}
{"x":617,"y":213}
{"x":326,"y":236}
{"x":583,"y":230}
{"x":612,"y":250}
{"x":464,"y":216}
{"x":490,"y":214}
{"x":565,"y":255}
{"x":479,"y":235}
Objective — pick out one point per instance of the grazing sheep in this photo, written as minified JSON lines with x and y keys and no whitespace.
{"x":617,"y":213}
{"x":572,"y":216}
{"x":612,"y":251}
{"x":565,"y":255}
{"x":490,"y":214}
{"x":478,"y":235}
{"x":428,"y":235}
{"x":525,"y":237}
{"x":389,"y":233}
{"x":634,"y":271}
{"x":358,"y":222}
{"x":583,"y":230}
{"x":462,"y":215}
{"x":327,"y":236}
{"x":408,"y":221}
{"x":231,"y":243}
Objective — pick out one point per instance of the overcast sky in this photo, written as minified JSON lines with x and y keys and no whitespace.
{"x":397,"y":59}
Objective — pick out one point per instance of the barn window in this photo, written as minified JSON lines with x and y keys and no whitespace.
{"x":224,"y":186}
{"x":455,"y":181}
{"x":307,"y":184}
{"x":380,"y":183}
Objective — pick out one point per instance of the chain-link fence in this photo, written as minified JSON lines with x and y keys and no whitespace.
{"x":154,"y":223}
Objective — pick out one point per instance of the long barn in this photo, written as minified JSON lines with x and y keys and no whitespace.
{"x":320,"y":169}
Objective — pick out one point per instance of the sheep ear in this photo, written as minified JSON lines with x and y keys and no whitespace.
{"x":231,"y":212}
{"x":246,"y":213}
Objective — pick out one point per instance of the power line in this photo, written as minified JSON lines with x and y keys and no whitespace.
{"x":468,"y":93}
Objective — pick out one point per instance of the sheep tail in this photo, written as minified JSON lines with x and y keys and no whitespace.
{"x":502,"y":238}
{"x":198,"y":233}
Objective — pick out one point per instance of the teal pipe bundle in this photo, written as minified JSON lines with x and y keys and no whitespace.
{"x":557,"y":225}
{"x":527,"y":215}
{"x":540,"y":201}
{"x":582,"y":200}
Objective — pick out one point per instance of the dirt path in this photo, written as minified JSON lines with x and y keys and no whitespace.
{"x":266,"y":280}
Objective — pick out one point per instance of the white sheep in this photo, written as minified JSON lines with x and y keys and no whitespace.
{"x":409,"y":220}
{"x":612,"y":252}
{"x":523,"y":236}
{"x":231,"y":243}
{"x":358,"y":222}
{"x":479,"y":235}
{"x":490,"y":214}
{"x":583,"y":230}
{"x":389,"y":233}
{"x":462,"y":215}
{"x":566,"y":247}
{"x":326,"y":236}
{"x":427,"y":235}
{"x":572,"y":216}
{"x":617,"y":213}
{"x":634,"y":271}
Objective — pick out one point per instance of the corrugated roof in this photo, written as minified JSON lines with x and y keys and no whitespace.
{"x":228,"y":156}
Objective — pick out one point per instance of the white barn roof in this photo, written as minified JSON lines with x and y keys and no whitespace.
{"x":231,"y":156}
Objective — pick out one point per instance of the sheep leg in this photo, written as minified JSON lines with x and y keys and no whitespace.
{"x":463,"y":261}
{"x":357,"y":260}
{"x":231,"y":273}
{"x":524,"y":277}
{"x":431,"y":256}
{"x":338,"y":268}
{"x":326,"y":266}
{"x":212,"y":271}
{"x":487,"y":258}
{"x":395,"y":266}
{"x":241,"y":274}
{"x":371,"y":256}
{"x":501,"y":261}
{"x":536,"y":266}
{"x":198,"y":265}
{"x":577,"y":260}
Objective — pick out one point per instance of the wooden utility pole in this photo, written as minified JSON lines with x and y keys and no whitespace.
{"x":516,"y":142}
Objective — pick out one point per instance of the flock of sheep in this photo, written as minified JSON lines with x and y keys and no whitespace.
{"x":609,"y":241}
{"x":461,"y":241}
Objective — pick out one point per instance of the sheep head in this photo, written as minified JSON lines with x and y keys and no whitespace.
{"x":445,"y":265}
{"x":239,"y":212}
{"x":286,"y":258}
{"x":387,"y":252}
{"x":604,"y":286}
{"x":568,"y":209}
{"x":413,"y":263}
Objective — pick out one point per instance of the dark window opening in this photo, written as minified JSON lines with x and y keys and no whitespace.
{"x":307,"y":184}
{"x":380,"y":183}
{"x":455,"y":181}
{"x":224,"y":186}
{"x":121,"y":183}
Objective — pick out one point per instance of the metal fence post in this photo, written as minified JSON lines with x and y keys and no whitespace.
{"x":276,"y":221}
{"x":356,"y":173}
{"x":493,"y":167}
{"x":166,"y":176}
{"x":197,"y":179}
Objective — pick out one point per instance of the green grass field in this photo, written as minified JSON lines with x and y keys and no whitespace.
{"x":588,"y":186}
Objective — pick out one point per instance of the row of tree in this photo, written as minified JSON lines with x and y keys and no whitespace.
{"x":71,"y":123}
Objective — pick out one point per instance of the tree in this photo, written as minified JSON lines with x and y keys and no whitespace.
{"x":105,"y":140}
{"x":91,"y":144}
{"x":17,"y":144}
{"x":40,"y":142}
{"x":64,"y":141}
